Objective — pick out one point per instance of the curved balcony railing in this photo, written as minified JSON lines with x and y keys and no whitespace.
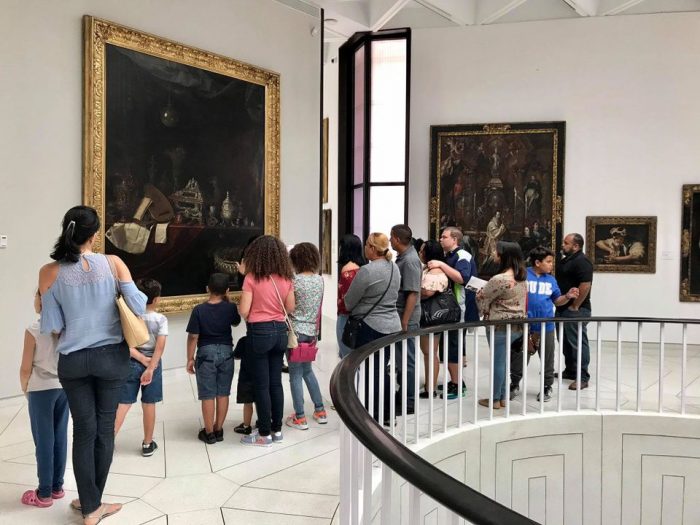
{"x":364,"y":440}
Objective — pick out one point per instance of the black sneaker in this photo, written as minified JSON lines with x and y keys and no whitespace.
{"x":219,"y":434}
{"x":243,"y":429}
{"x":547,"y":394}
{"x":453,"y":391}
{"x":148,"y":450}
{"x":208,"y":438}
{"x":426,"y":395}
{"x":514,"y":391}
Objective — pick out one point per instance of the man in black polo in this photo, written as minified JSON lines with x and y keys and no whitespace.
{"x":575,"y":271}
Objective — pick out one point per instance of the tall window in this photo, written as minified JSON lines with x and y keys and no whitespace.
{"x":373,"y":138}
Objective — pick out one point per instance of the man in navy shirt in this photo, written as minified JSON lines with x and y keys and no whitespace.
{"x":543,"y":295}
{"x":575,"y":270}
{"x":459,"y":266}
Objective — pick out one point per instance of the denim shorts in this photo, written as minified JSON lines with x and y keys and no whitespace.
{"x":214,"y":371}
{"x":151,"y":393}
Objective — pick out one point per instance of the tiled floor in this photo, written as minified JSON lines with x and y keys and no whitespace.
{"x":187,"y":482}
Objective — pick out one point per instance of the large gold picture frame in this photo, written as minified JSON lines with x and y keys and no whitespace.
{"x":690,"y":244}
{"x":181,"y":157}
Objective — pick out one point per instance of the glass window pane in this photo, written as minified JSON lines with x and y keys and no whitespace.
{"x":359,"y":117}
{"x":388,"y":110}
{"x":386,"y":207}
{"x":358,"y":207}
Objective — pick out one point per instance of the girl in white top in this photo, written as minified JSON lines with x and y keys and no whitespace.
{"x":48,"y":412}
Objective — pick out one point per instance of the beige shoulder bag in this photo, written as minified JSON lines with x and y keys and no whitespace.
{"x":133,"y":327}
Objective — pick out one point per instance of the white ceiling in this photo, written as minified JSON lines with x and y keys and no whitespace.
{"x":345,"y":17}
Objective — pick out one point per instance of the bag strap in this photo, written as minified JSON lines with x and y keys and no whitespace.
{"x":112,"y":268}
{"x":391,"y":276}
{"x":286,"y":316}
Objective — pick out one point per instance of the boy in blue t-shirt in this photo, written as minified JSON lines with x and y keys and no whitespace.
{"x":543,"y":295}
{"x":209,"y":332}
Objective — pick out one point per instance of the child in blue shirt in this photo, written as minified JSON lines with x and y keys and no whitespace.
{"x":209,"y":332}
{"x":543,"y":295}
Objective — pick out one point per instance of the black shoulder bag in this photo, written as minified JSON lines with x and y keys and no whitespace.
{"x":440,"y":308}
{"x":352,"y":328}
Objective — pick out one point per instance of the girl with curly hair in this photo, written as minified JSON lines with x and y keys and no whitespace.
{"x":267,"y":294}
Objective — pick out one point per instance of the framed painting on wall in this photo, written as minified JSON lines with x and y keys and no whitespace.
{"x":690,"y":244}
{"x":326,"y":263}
{"x":621,"y":244}
{"x":498,"y":182}
{"x":181,"y":157}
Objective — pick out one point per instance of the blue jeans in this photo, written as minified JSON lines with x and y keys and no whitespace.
{"x":499,"y":360}
{"x":569,"y":345}
{"x":410,"y":368}
{"x":267,"y":342}
{"x":299,"y":372}
{"x":214,"y":371}
{"x":48,"y":415}
{"x":150,"y":393}
{"x":92,"y":379}
{"x":339,"y":327}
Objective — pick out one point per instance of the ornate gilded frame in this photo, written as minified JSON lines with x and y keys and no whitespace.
{"x":637,"y":229}
{"x":546,"y":143}
{"x":690,"y":244}
{"x":97,"y":33}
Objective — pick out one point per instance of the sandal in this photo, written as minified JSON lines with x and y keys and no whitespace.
{"x":496,"y":403}
{"x":103,"y":511}
{"x":31,"y":497}
{"x":75,"y":505}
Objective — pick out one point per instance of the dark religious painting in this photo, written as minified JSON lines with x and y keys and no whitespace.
{"x":690,"y":244}
{"x":181,"y":157}
{"x":621,"y":244}
{"x":498,"y":182}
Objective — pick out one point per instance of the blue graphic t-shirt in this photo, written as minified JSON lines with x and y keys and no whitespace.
{"x":542,"y":291}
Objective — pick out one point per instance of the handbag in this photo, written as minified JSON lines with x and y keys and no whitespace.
{"x":305,"y":351}
{"x":440,"y":308}
{"x":351,"y":331}
{"x":133,"y":327}
{"x":292,"y":340}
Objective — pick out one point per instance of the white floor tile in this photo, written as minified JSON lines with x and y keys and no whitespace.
{"x":199,"y":517}
{"x":283,"y":502}
{"x":190,"y":493}
{"x":236,"y":516}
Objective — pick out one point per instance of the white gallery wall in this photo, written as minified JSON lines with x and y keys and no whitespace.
{"x":627,"y":88}
{"x":41,"y":132}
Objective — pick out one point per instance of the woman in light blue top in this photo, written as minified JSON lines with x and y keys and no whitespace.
{"x":78,"y":292}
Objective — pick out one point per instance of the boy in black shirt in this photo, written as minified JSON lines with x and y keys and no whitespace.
{"x":209,"y":332}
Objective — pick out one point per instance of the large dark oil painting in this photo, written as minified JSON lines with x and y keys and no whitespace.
{"x":189,"y":158}
{"x":690,"y":244}
{"x":498,"y":182}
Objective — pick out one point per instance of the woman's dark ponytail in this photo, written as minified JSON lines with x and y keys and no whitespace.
{"x":79,"y":224}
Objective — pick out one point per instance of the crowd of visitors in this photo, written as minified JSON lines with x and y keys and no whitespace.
{"x":76,"y":357}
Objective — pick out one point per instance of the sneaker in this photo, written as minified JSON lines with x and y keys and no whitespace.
{"x":426,"y":395}
{"x":219,"y":434}
{"x":243,"y":429}
{"x":277,"y":437}
{"x":514,"y":391}
{"x":547,"y":394}
{"x":148,"y":450}
{"x":257,"y":440}
{"x":321,"y":417}
{"x":208,"y":438}
{"x":297,"y":422}
{"x":452,"y":391}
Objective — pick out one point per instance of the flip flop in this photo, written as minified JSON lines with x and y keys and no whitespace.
{"x":99,"y":517}
{"x":31,"y":497}
{"x":75,"y":505}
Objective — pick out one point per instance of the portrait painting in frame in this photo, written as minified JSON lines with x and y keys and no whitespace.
{"x":181,"y":157}
{"x":498,"y":182}
{"x":690,"y":244}
{"x":621,"y":244}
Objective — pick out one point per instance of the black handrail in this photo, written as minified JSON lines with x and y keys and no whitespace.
{"x":457,"y":497}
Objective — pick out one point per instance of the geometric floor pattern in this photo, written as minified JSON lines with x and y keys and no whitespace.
{"x":293,"y":482}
